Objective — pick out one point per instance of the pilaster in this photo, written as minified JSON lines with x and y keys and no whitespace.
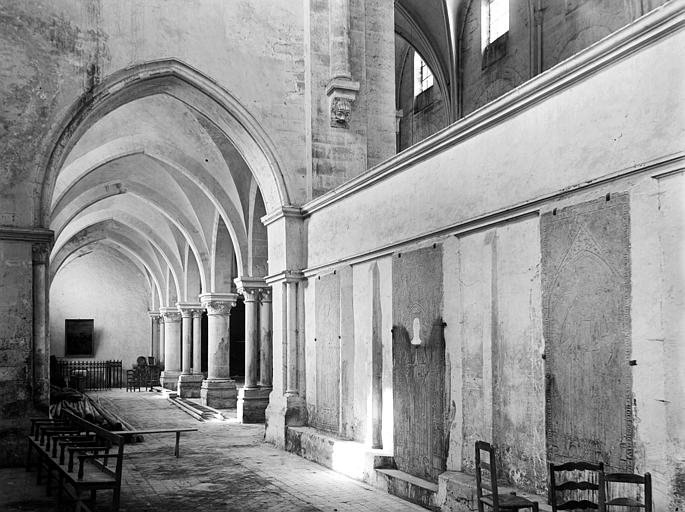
{"x":287,"y":405}
{"x":41,"y":321}
{"x":341,"y":89}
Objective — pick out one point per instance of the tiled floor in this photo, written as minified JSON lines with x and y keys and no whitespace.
{"x":224,"y":466}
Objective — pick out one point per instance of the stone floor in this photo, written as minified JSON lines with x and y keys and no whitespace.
{"x":225,"y":466}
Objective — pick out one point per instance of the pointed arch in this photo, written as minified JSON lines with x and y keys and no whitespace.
{"x":186,"y":84}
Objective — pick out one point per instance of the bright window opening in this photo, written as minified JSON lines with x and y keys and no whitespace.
{"x":423,"y":76}
{"x":495,"y":20}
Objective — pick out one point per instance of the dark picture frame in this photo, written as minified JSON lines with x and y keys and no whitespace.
{"x":78,"y":337}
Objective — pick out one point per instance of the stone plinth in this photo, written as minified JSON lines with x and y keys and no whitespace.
{"x":218,"y":393}
{"x":252,"y":403}
{"x":169,"y":379}
{"x":189,"y":385}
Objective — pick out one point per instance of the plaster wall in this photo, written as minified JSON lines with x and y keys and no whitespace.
{"x":363,"y":305}
{"x":572,"y":137}
{"x":114,"y":294}
{"x":494,"y":348}
{"x":355,"y":361}
{"x":657,"y":251}
{"x":52,"y":52}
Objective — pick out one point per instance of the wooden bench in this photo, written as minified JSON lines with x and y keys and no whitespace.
{"x":126,"y":433}
{"x":83,"y":457}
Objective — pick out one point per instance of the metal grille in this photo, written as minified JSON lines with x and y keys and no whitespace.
{"x":91,"y":375}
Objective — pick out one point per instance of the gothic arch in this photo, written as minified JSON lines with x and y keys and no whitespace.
{"x":186,"y":84}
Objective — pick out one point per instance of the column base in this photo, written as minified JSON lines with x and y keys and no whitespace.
{"x":189,"y":385}
{"x":169,"y":379}
{"x":218,"y":393}
{"x":284,"y":411}
{"x":252,"y":404}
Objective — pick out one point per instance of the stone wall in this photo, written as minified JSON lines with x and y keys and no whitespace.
{"x":541,"y":35}
{"x":420,"y":116}
{"x":19,"y":386}
{"x":54,"y":52}
{"x":339,"y":153}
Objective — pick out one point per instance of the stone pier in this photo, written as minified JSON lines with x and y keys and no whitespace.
{"x":218,"y":390}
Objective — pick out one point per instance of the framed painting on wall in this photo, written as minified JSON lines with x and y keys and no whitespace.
{"x":78,"y":337}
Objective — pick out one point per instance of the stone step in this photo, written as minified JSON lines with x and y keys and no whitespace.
{"x":350,"y":458}
{"x":411,"y":488}
{"x":197,"y":411}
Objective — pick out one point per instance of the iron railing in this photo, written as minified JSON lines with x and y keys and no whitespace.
{"x":91,"y":375}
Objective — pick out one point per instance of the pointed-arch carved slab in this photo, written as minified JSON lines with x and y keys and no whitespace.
{"x":586,"y":308}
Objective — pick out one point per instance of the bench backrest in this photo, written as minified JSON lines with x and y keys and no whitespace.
{"x":114,"y":441}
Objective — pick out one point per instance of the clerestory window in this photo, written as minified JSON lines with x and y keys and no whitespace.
{"x":423,"y":76}
{"x":494,"y":21}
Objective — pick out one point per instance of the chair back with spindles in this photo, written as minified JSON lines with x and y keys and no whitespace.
{"x":573,"y":491}
{"x":489,"y":483}
{"x":608,"y":498}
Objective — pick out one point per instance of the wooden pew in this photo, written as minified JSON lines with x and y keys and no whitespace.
{"x":83,"y":457}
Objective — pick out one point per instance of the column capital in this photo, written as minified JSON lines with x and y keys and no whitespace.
{"x":154,"y":314}
{"x":218,"y":303}
{"x":249,"y":287}
{"x":265,"y":294}
{"x":170,"y":314}
{"x":40,"y":253}
{"x":287,"y":276}
{"x":188,"y":309}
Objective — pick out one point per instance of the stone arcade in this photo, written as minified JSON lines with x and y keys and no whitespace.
{"x":384,"y":229}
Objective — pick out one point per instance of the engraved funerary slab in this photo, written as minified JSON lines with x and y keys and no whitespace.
{"x":326,"y":416}
{"x":586,"y":308}
{"x":418,"y":353}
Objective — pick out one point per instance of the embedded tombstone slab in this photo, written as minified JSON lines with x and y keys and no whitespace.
{"x":586,"y":308}
{"x":326,"y":414}
{"x":418,"y":355}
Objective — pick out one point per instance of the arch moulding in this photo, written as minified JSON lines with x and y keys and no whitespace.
{"x":188,"y":85}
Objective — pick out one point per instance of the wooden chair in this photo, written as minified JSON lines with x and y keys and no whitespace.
{"x":571,"y":490}
{"x":132,"y":380}
{"x":495,"y":500}
{"x":607,"y":499}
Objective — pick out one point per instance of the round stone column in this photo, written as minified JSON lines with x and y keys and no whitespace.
{"x":197,"y":341}
{"x":251,"y":340}
{"x":172,"y":347}
{"x":252,"y":400}
{"x":189,"y":384}
{"x":160,"y":359}
{"x":266,"y":357}
{"x":218,"y":390}
{"x":154,"y":334}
